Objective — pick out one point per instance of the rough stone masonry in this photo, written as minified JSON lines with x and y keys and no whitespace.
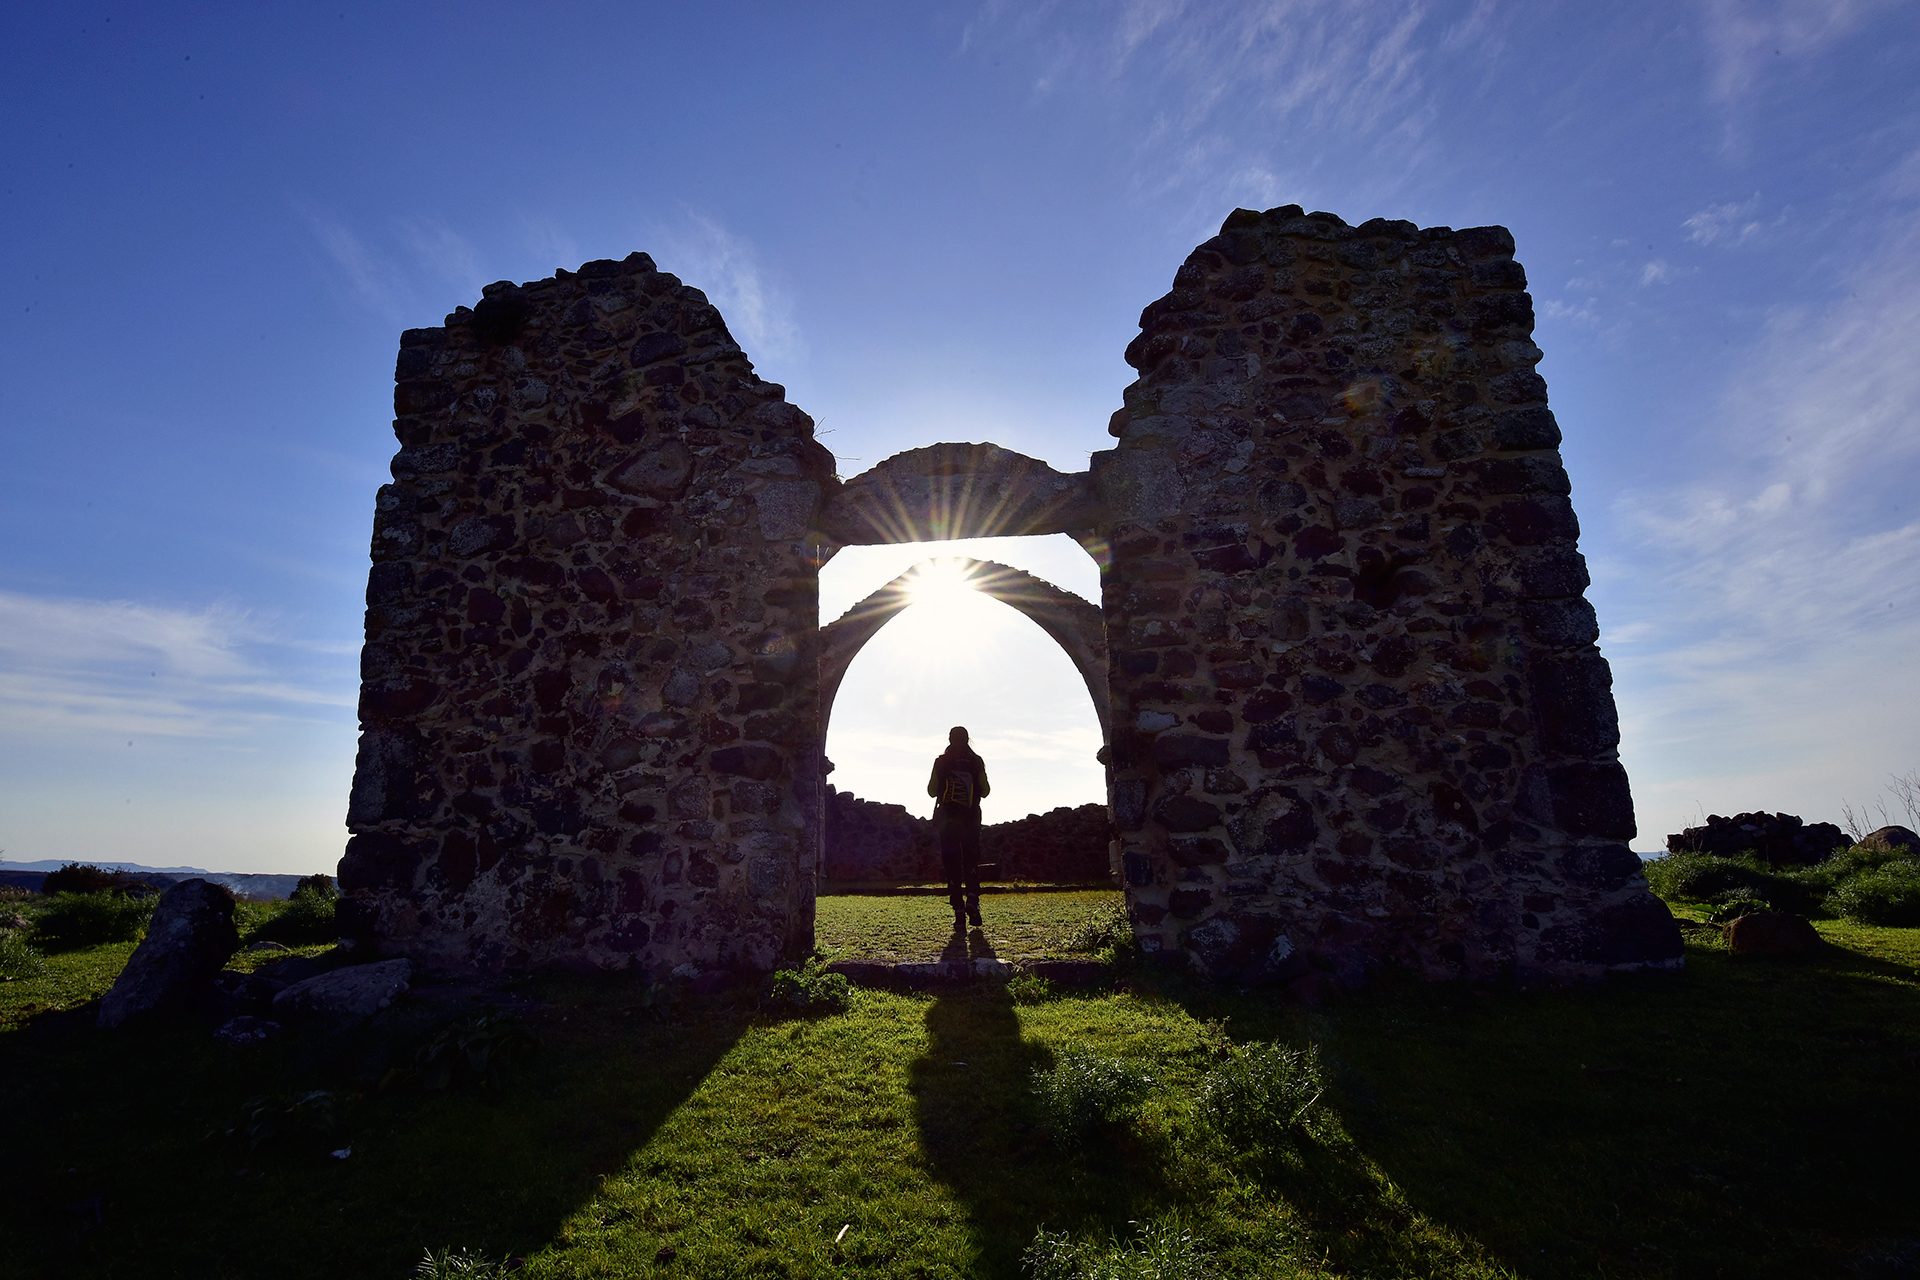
{"x":1356,"y":717}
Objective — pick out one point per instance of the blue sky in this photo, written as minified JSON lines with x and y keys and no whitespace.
{"x":931,"y":222}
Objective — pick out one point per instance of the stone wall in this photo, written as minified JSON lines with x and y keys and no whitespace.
{"x":1359,"y":715}
{"x":590,"y":721}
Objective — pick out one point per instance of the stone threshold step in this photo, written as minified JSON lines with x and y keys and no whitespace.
{"x":873,"y":973}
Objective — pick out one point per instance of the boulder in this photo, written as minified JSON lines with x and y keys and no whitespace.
{"x":356,"y":992}
{"x":1780,"y":838}
{"x":189,"y":939}
{"x":1887,"y":839}
{"x":1772,"y":933}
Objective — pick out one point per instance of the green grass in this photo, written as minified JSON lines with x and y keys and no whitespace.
{"x":914,"y":927}
{"x":1867,"y":886}
{"x":1747,"y":1118}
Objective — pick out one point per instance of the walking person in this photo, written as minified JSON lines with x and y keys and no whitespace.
{"x":959,"y":781}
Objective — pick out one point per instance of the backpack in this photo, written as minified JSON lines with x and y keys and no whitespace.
{"x":958,"y":789}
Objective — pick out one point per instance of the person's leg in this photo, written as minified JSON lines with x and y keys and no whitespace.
{"x":971,"y":857}
{"x":952,"y":860}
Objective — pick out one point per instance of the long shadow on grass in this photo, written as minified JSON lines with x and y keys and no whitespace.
{"x":971,"y":1093}
{"x":1745,"y":1118}
{"x":111,"y":1169}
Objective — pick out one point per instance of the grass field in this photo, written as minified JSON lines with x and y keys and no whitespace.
{"x":1018,"y":926}
{"x":1747,"y":1119}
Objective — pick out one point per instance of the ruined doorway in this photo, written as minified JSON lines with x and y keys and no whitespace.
{"x":948,"y":642}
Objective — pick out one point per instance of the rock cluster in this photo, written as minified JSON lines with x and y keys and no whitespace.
{"x":1358,"y":711}
{"x":1780,"y":838}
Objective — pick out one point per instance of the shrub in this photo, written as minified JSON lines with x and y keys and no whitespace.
{"x":1886,"y":895}
{"x":1700,"y":877}
{"x":1106,"y":928}
{"x":1163,"y":1251}
{"x":1258,"y":1095}
{"x":810,"y":989}
{"x":17,"y":958}
{"x":1027,"y":988}
{"x":483,"y":1050}
{"x":1704,"y":877}
{"x":78,"y":877}
{"x":307,"y":917}
{"x":1736,"y":905}
{"x":315,"y":884}
{"x":86,"y":919}
{"x":1086,"y":1091}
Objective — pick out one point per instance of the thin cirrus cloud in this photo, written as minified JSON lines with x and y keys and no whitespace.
{"x":727,"y":268}
{"x":1728,"y":224}
{"x":1744,"y":39}
{"x":72,"y":667}
{"x":1779,"y":607}
{"x":1300,"y":68}
{"x":425,"y":259}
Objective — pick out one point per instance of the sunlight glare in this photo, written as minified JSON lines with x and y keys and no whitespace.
{"x":942,"y":586}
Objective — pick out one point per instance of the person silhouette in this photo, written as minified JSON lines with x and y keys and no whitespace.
{"x":957,"y":786}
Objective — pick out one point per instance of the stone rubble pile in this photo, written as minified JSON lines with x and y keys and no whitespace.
{"x":1782,"y":839}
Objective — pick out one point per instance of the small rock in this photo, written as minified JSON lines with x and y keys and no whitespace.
{"x":190,"y":937}
{"x":269,"y":946}
{"x":1772,"y":933}
{"x":359,"y":991}
{"x":1888,"y":839}
{"x":246,"y":1030}
{"x":233,"y":994}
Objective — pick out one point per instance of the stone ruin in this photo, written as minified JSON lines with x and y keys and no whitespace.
{"x":1354,"y":713}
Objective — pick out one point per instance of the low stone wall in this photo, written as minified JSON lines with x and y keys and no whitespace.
{"x":867,"y":840}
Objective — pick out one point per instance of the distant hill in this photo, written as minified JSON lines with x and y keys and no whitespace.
{"x":28,"y":875}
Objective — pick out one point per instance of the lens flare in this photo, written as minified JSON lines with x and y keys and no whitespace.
{"x":942,"y":584}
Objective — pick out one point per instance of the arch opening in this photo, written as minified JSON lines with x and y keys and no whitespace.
{"x":948,"y":642}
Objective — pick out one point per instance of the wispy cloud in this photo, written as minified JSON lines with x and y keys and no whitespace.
{"x":71,"y":666}
{"x":399,"y":268}
{"x":441,"y":251}
{"x":1746,"y":37}
{"x":1236,"y":85}
{"x":1778,"y":606}
{"x":1725,"y":224}
{"x":726,"y":267}
{"x":368,"y":280}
